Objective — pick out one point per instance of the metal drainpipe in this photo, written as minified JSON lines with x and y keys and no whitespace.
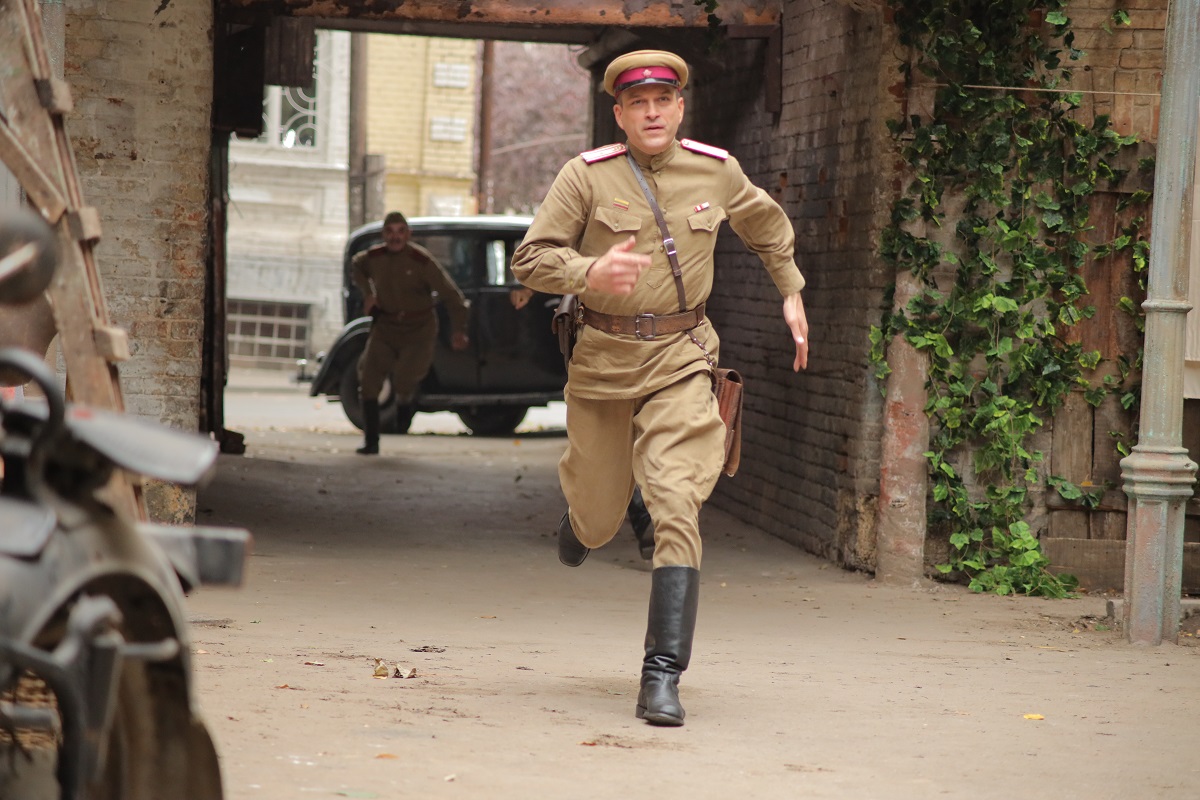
{"x":1158,"y":474}
{"x":357,"y":156}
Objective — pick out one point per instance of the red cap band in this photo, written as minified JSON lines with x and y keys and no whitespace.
{"x":632,"y":77}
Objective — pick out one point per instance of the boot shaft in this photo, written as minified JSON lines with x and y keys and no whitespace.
{"x":370,"y":409}
{"x":671,"y":626}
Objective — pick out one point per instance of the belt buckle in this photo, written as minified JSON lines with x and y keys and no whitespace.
{"x":637,"y":326}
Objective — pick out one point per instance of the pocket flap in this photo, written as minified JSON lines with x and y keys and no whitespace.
{"x":618,"y":221}
{"x":707,"y":220}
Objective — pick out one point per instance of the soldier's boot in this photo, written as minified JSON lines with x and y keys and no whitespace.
{"x":570,"y":550}
{"x":643,"y":526}
{"x":370,"y":409}
{"x":674,"y":599}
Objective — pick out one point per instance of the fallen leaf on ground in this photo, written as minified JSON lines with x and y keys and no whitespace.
{"x":1034,"y":716}
{"x":428,"y":648}
{"x":588,"y":744}
{"x":200,"y":652}
{"x":314,"y":663}
{"x":488,"y":616}
{"x":381,"y":670}
{"x":450,"y":778}
{"x":411,"y":672}
{"x":387,"y":755}
{"x":285,"y":686}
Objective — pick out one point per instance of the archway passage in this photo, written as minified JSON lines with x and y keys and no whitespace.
{"x":531,"y":20}
{"x":261,"y":44}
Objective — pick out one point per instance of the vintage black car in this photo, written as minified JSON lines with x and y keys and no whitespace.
{"x":513,"y":361}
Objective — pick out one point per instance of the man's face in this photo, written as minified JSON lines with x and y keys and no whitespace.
{"x":396,"y":236}
{"x":650,"y":115}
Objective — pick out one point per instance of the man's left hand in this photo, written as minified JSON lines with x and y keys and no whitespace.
{"x":459,"y":341}
{"x":797,"y":322}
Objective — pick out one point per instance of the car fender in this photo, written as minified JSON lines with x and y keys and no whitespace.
{"x":342,"y":354}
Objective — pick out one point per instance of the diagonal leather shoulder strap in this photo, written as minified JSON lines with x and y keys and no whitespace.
{"x":672,"y":254}
{"x":668,"y":240}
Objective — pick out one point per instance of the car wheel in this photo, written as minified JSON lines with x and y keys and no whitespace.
{"x":493,"y":420}
{"x":390,"y":420}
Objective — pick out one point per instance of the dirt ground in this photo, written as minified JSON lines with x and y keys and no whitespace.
{"x":437,"y":558}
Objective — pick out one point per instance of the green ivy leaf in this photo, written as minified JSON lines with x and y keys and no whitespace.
{"x":1004,"y":304}
{"x":994,"y":314}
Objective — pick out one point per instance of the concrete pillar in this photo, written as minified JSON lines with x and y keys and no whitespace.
{"x":903,"y":471}
{"x":1158,"y":474}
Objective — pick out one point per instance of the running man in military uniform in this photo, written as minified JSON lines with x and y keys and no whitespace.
{"x":398,"y":280}
{"x":640,"y":405}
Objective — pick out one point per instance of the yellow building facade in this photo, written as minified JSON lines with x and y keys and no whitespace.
{"x":421,"y":116}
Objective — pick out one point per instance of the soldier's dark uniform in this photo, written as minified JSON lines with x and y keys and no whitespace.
{"x":641,"y":409}
{"x":404,"y":329}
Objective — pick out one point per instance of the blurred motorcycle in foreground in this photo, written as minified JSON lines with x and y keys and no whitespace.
{"x":96,"y":695}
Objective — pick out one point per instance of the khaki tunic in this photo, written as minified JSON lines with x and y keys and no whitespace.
{"x":404,"y":334}
{"x":590,"y":208}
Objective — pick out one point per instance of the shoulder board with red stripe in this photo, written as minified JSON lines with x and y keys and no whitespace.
{"x":419,"y":252}
{"x":603,"y":153}
{"x":704,"y":149}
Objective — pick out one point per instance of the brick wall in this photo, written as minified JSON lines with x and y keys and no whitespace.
{"x":141,"y":74}
{"x":410,"y":117}
{"x":810,"y":465}
{"x":1124,"y":60}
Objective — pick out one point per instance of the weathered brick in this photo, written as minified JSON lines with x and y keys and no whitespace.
{"x":141,"y":79}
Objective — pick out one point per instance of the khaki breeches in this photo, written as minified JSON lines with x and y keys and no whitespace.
{"x":671,"y":443}
{"x":403,"y":352}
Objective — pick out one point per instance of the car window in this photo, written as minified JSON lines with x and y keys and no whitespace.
{"x":454,"y":252}
{"x":497,"y":264}
{"x":499,"y":261}
{"x":460,"y":251}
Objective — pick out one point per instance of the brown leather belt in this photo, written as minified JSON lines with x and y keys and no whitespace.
{"x":645,"y":326}
{"x":397,"y":316}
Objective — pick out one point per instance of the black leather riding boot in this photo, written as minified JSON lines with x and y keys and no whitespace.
{"x":370,"y":409}
{"x":674,"y":599}
{"x":570,"y":551}
{"x":639,"y":520}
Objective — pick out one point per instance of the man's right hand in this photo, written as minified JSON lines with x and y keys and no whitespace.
{"x":618,"y":270}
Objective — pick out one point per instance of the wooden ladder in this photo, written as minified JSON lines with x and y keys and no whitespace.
{"x":35,"y":147}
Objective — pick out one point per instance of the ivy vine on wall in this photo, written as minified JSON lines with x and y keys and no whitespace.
{"x":999,"y":292}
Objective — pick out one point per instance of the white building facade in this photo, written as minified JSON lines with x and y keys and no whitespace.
{"x":288,"y":216}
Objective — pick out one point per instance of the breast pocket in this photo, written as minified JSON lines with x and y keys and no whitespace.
{"x":613,"y":226}
{"x":707,"y":221}
{"x":618,"y":222}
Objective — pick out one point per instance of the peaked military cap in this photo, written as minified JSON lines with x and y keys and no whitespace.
{"x":645,"y":66}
